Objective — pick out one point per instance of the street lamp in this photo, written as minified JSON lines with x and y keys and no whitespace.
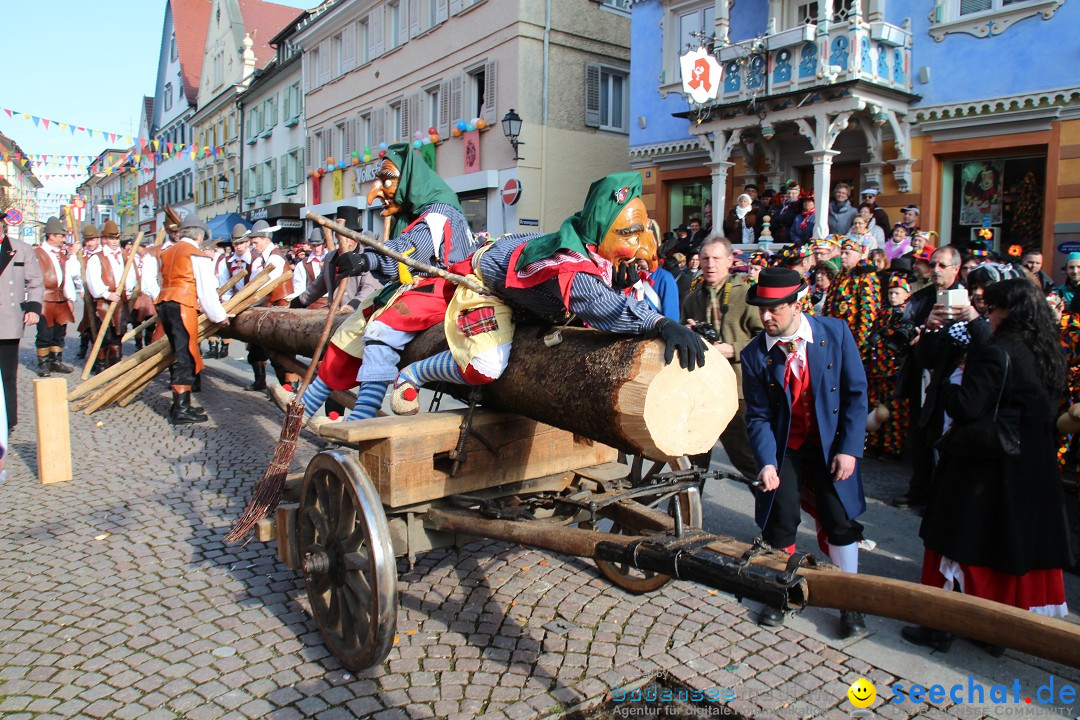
{"x":222,"y":183}
{"x":511,"y":123}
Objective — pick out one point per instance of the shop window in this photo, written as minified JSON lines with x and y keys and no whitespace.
{"x":687,"y":200}
{"x":475,"y":206}
{"x":1003,"y":194}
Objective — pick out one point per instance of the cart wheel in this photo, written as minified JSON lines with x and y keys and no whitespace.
{"x":630,"y":578}
{"x":348,"y":560}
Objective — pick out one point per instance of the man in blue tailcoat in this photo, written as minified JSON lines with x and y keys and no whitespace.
{"x":806,"y":408}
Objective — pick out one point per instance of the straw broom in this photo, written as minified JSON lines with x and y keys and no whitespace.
{"x":268,"y":492}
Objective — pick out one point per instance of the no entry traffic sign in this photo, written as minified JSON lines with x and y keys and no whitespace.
{"x":511,"y":191}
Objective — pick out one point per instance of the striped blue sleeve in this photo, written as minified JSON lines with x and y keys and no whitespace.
{"x":605,"y":309}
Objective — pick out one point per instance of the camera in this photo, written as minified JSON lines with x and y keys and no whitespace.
{"x":706,"y":331}
{"x":897,"y":338}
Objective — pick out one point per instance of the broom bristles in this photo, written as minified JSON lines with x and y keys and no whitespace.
{"x":268,"y":491}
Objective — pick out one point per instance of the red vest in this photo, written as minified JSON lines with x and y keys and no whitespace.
{"x":803,"y":419}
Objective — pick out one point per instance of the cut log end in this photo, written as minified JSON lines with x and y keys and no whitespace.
{"x":668,"y":411}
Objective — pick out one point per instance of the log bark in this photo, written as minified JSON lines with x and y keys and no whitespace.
{"x":613,"y":389}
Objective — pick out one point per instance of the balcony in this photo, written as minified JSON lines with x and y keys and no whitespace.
{"x":805,"y":57}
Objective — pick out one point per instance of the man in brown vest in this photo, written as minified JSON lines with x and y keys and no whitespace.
{"x":91,"y":244}
{"x":103,"y":272}
{"x":187,"y":283}
{"x":264,"y":253}
{"x":59,"y":294}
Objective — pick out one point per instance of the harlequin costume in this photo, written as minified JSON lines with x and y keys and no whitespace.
{"x":552,"y":277}
{"x":855,"y":297}
{"x":882,"y":368}
{"x":430,"y":227}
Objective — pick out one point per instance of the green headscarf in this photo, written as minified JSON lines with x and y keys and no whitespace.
{"x":420,"y":185}
{"x":606,"y":199}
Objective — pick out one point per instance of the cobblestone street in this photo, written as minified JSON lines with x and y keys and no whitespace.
{"x":119,"y":599}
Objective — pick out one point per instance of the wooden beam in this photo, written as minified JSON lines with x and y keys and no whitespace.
{"x":53,"y":430}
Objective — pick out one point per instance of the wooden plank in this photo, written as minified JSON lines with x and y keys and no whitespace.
{"x":286,"y":535}
{"x":53,"y":430}
{"x":391,"y":426}
{"x":405,"y":470}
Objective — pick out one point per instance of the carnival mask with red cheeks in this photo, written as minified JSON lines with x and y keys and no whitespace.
{"x":385,"y":187}
{"x":629,"y":237}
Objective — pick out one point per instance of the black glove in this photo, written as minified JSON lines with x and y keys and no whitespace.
{"x":690,"y":345}
{"x":623,"y":276}
{"x":351,"y":264}
{"x":296,"y":304}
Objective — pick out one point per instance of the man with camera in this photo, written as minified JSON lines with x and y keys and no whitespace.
{"x":717,"y":311}
{"x":933,"y":310}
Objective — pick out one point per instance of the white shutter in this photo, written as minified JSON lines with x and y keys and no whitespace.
{"x":273,"y":175}
{"x":284,"y":171}
{"x":403,"y":21}
{"x":441,"y":11}
{"x":455,"y":99}
{"x":592,"y":95}
{"x":348,"y":47}
{"x":377,"y":37}
{"x":490,"y":85}
{"x":416,"y":115}
{"x":455,"y":7}
{"x":307,"y":147}
{"x":403,"y":130}
{"x":444,"y":109}
{"x":350,"y":136}
{"x":414,"y":18}
{"x":324,"y":62}
{"x":378,"y":126}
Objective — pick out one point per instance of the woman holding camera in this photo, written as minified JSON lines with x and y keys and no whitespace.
{"x":995,"y":525}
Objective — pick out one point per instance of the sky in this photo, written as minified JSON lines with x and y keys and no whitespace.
{"x":83,"y":62}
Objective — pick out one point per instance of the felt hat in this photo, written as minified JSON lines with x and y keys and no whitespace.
{"x":902,"y":264}
{"x":239,"y":230}
{"x":191,"y":220}
{"x":316,"y":237}
{"x":89,"y":232}
{"x":348,"y":216}
{"x":110,"y":229}
{"x":759,"y":258}
{"x":261,"y":228}
{"x":776,"y":286}
{"x":978,"y":249}
{"x":170,"y":226}
{"x":53,"y":226}
{"x":926,"y":253}
{"x":794,"y":254}
{"x":124,"y":242}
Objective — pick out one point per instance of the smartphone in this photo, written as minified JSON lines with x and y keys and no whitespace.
{"x":957,"y":297}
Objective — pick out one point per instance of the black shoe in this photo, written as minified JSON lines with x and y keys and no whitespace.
{"x":260,"y":378}
{"x":83,"y":348}
{"x":908,"y":500}
{"x":44,"y":366}
{"x":99,"y":367}
{"x":852,"y":624}
{"x":197,"y":385}
{"x":934,"y":639}
{"x":57,"y":364}
{"x":994,"y":650}
{"x":182,"y":413}
{"x":770,"y":617}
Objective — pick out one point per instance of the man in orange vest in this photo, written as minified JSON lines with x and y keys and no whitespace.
{"x":187,"y":284}
{"x":59,"y":296}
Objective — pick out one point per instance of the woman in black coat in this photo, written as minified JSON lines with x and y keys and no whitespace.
{"x":996,"y":527}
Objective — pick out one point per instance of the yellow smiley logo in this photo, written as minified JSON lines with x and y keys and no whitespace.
{"x":862,"y":693}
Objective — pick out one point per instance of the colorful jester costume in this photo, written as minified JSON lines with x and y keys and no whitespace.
{"x":1070,"y":343}
{"x":882,"y":366}
{"x":855,"y":297}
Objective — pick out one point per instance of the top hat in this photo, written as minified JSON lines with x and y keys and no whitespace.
{"x":776,"y":286}
{"x":349,"y":216}
{"x":55,"y":227}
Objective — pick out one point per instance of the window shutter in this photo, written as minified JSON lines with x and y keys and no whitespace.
{"x":350,"y":136}
{"x":455,"y":7}
{"x":974,"y":6}
{"x":378,"y":126}
{"x":300,"y":165}
{"x":324,"y":62}
{"x":272,"y":176}
{"x":442,"y":11}
{"x":444,"y":109}
{"x":377,"y":35}
{"x":490,"y":85}
{"x":403,"y":22}
{"x":307,"y":147}
{"x":592,"y":95}
{"x":414,"y":18}
{"x":348,"y":47}
{"x":455,"y":99}
{"x":271,"y":111}
{"x":403,"y":131}
{"x":416,"y":115}
{"x":285,"y":171}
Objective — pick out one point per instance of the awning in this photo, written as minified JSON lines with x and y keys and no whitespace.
{"x":222,"y":225}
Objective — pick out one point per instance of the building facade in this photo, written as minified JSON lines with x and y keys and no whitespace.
{"x":871,"y":93}
{"x":273,"y":140}
{"x":180,"y":60}
{"x":147,"y":177}
{"x":19,"y":190}
{"x":235,"y":45}
{"x":384,"y":71}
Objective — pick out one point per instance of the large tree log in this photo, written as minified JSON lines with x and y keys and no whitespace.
{"x":610,"y":388}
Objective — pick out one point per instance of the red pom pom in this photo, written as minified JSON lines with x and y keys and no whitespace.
{"x":410,"y":394}
{"x":287,"y":387}
{"x":334,"y":415}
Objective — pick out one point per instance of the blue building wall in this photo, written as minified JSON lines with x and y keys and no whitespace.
{"x":1030,"y":56}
